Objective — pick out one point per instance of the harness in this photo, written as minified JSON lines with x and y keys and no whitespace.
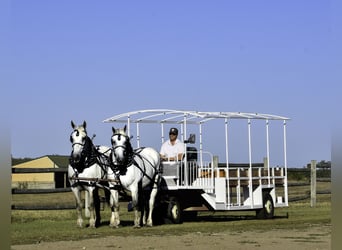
{"x":120,"y":168}
{"x":90,"y":155}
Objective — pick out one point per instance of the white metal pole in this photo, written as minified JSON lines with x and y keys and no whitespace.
{"x":138,"y":136}
{"x":184,"y":129}
{"x":226,"y":133}
{"x":185,"y":158}
{"x":227,"y":161}
{"x":201,"y":149}
{"x":268,"y":152}
{"x":285,"y":163}
{"x":250,"y":163}
{"x":128,"y":126}
{"x":249,"y":143}
{"x":162,"y":133}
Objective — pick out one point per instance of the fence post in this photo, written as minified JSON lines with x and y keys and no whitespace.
{"x":313,"y":183}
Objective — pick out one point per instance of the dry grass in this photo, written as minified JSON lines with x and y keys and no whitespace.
{"x":55,"y":225}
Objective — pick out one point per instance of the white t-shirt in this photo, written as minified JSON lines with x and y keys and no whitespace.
{"x":170,"y":150}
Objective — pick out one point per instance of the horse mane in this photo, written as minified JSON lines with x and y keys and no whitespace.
{"x":129,"y":146}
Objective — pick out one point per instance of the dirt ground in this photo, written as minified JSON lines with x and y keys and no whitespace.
{"x":312,"y":238}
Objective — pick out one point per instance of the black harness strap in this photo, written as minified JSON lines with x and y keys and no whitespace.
{"x":90,"y":155}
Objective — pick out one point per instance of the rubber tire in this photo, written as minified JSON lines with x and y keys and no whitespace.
{"x":174,"y":211}
{"x":267,"y":212}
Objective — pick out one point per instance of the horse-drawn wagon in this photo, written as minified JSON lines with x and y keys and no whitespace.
{"x":199,"y":182}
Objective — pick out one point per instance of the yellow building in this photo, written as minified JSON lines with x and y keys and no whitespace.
{"x":41,"y":180}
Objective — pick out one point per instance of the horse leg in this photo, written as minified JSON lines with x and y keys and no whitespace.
{"x":115,"y":207}
{"x":97,"y":204}
{"x":135,"y":203}
{"x":77,"y":194}
{"x":144,"y":206}
{"x":152,"y":199}
{"x":92,"y":218}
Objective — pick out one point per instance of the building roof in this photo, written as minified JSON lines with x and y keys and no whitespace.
{"x":61,"y":161}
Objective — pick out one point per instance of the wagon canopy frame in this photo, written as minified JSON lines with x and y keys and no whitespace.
{"x":171,"y":116}
{"x":184,"y":117}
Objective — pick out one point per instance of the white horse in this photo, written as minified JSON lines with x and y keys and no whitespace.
{"x":87,"y":166}
{"x":137,"y":172}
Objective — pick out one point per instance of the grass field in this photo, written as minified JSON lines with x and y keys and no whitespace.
{"x":29,"y":227}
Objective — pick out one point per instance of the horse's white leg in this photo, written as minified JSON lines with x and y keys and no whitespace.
{"x":115,"y":207}
{"x":91,"y":208}
{"x":77,"y":194}
{"x":135,"y":203}
{"x":144,"y":210}
{"x":152,"y":200}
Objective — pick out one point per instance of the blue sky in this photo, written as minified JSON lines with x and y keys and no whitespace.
{"x":89,"y":60}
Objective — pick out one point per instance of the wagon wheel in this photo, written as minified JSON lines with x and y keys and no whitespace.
{"x":267,"y":212}
{"x":174,"y":211}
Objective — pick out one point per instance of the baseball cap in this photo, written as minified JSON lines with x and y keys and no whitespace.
{"x":173,"y":131}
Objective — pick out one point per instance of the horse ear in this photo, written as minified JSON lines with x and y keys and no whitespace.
{"x":84,"y":124}
{"x":125,"y":128}
{"x":113,"y":129}
{"x":73,"y":124}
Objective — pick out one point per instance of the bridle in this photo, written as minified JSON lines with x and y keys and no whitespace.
{"x":127,"y":148}
{"x":87,"y":156}
{"x":76,"y":143}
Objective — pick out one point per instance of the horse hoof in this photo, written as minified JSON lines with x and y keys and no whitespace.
{"x":136,"y":226}
{"x":114,"y":226}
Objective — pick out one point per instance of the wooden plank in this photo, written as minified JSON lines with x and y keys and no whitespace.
{"x":40,"y":191}
{"x":39,"y":170}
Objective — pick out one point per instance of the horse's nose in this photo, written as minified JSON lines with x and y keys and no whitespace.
{"x":76,"y":157}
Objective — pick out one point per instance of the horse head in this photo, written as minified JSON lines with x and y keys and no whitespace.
{"x":79,"y":140}
{"x":121,"y":146}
